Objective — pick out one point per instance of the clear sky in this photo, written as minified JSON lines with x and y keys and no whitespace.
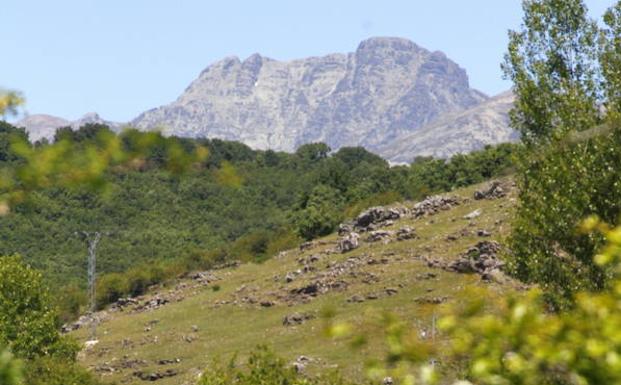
{"x":121,"y":57}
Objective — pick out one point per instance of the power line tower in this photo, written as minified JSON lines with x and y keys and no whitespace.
{"x":92,"y":240}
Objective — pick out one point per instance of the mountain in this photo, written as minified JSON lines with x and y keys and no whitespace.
{"x":387,"y":90}
{"x":461,"y":132}
{"x":39,"y":126}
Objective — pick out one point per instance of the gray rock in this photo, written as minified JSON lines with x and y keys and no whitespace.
{"x":405,"y":233}
{"x":474,"y":214}
{"x":492,"y":191}
{"x":379,"y":235}
{"x":433,"y":204}
{"x":348,"y":242}
{"x":296,"y":319}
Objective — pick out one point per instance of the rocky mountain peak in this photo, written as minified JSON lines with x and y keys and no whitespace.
{"x":386,"y":89}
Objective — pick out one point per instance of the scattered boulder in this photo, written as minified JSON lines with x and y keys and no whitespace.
{"x":484,"y":233}
{"x":473,"y":214}
{"x":405,"y":233}
{"x":154,"y":376}
{"x":372,"y":219}
{"x":345,"y":228}
{"x":169,"y":361}
{"x":296,"y":319}
{"x":203,"y":277}
{"x":376,"y":215}
{"x":267,"y":303}
{"x":378,"y":235}
{"x":431,"y":300}
{"x":85,"y":321}
{"x":312,"y":289}
{"x":356,"y":299}
{"x":480,"y":259}
{"x":348,"y":242}
{"x":153,"y":303}
{"x":300,"y":363}
{"x":428,"y":275}
{"x":434,"y":204}
{"x":289,"y":277}
{"x":391,"y":291}
{"x":492,"y":191}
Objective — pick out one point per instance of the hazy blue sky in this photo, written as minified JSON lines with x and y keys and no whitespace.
{"x":121,"y":57}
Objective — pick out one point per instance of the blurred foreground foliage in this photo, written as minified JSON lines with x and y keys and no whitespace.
{"x":559,"y":185}
{"x":265,"y":368}
{"x":516,"y":341}
{"x":29,"y":329}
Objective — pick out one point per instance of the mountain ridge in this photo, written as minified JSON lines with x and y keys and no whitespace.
{"x":385,"y":90}
{"x":390,"y":95}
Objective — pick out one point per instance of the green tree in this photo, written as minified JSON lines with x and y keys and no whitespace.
{"x":320,"y":213}
{"x":28,"y":321}
{"x":610,"y":60}
{"x":552,"y":62}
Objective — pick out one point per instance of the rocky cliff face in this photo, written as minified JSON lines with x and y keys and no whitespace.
{"x":387,"y":90}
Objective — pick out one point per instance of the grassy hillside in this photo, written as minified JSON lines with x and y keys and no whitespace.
{"x":232,"y":310}
{"x":236,"y":204}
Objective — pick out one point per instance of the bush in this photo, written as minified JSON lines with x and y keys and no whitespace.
{"x":110,"y":288}
{"x":54,"y":371}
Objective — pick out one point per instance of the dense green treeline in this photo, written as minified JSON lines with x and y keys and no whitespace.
{"x":237,"y":204}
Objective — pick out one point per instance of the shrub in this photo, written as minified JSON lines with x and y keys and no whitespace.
{"x":265,"y":368}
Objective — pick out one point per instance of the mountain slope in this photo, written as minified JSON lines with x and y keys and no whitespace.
{"x":387,"y":89}
{"x":461,"y":132}
{"x":180,"y":328}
